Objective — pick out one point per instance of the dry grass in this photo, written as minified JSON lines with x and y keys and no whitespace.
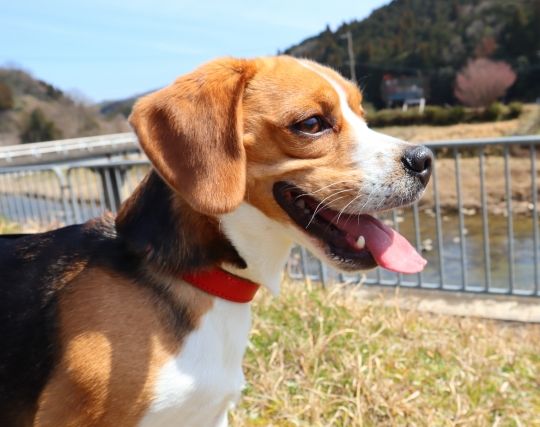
{"x":7,"y":227}
{"x":423,"y":133}
{"x":322,"y":358}
{"x":72,"y":118}
{"x":527,"y":123}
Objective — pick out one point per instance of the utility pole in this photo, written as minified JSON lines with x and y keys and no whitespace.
{"x":348,"y":36}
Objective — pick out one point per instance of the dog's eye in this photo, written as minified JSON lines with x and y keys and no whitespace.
{"x":311,"y":126}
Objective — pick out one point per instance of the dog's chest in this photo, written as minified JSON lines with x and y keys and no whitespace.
{"x":198,"y":386}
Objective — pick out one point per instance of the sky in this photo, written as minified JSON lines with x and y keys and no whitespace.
{"x":113,"y":49}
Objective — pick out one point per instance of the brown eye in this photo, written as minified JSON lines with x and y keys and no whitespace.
{"x":311,"y":126}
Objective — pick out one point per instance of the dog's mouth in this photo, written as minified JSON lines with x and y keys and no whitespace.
{"x":353,"y":242}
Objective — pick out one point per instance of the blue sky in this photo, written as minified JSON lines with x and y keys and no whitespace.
{"x":117,"y":48}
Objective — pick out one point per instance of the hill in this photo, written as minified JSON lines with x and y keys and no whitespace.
{"x":119,"y":107}
{"x":32,"y":110}
{"x":434,"y":39}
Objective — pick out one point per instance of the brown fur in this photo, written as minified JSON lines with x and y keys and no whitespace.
{"x":192,"y":133}
{"x":228,"y":139}
{"x":107,"y":373}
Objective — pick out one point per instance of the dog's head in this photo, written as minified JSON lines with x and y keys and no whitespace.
{"x":287,"y":137}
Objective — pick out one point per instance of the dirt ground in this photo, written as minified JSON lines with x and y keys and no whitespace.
{"x":527,"y":123}
{"x":494,"y":181}
{"x":519,"y":164}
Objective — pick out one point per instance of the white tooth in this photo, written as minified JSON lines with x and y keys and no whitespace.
{"x":361,"y":242}
{"x":301,"y":203}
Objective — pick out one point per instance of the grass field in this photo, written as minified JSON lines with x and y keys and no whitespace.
{"x":7,"y":227}
{"x":323,"y":358}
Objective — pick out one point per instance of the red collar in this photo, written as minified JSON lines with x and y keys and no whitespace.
{"x":223,"y":284}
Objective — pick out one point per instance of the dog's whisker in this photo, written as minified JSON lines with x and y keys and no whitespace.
{"x":335,"y":200}
{"x":342,"y":210}
{"x":322,"y":205}
{"x":311,"y":193}
{"x":317,"y":210}
{"x":366,"y":203}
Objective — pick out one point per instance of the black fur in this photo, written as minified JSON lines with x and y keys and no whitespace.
{"x":31,"y":272}
{"x":166,"y":236}
{"x":152,"y":237}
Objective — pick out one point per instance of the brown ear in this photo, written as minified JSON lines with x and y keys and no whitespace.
{"x":192,"y":133}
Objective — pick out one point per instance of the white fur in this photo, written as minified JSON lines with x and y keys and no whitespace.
{"x":263,"y":243}
{"x":377,"y":155}
{"x":197,"y":388}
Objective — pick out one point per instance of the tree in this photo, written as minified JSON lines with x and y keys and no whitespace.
{"x":482,"y":81}
{"x":6,"y":97}
{"x":38,"y":128}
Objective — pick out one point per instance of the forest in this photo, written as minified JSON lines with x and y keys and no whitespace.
{"x":434,"y":40}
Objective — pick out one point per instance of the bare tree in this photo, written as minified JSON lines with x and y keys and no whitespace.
{"x":6,"y":97}
{"x":482,"y":81}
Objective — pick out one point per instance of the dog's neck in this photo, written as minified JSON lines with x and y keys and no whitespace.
{"x":162,"y":229}
{"x":157,"y":225}
{"x":264,"y":245}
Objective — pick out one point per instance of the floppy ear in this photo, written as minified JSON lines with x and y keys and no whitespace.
{"x":192,"y":133}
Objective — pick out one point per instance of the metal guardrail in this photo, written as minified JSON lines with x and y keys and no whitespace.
{"x":478,"y":252}
{"x":68,"y":150}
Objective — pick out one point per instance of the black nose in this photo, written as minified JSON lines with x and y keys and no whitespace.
{"x":417,"y":161}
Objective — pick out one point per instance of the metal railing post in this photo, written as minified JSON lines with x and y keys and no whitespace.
{"x":111,"y":185}
{"x":65,"y":194}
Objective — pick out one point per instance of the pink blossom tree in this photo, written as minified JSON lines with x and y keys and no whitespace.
{"x":483,"y":81}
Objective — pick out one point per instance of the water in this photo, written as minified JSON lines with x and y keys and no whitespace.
{"x":474,"y":259}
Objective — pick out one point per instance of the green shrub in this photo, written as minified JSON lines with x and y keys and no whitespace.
{"x":433,"y":114}
{"x":38,"y":128}
{"x":381,"y":118}
{"x":457,"y":114}
{"x":443,"y":116}
{"x":494,"y":112}
{"x":410,"y":117}
{"x":515,"y":109}
{"x":394,"y":117}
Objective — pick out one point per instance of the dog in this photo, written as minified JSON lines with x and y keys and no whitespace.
{"x":142,"y":319}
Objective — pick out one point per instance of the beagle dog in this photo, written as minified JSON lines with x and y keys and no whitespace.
{"x":142,"y":319}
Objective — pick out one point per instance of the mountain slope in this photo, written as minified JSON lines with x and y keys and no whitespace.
{"x":435,"y":38}
{"x":120,"y":106}
{"x":68,"y":117}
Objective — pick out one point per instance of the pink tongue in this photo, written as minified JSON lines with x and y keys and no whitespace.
{"x":389,"y":248}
